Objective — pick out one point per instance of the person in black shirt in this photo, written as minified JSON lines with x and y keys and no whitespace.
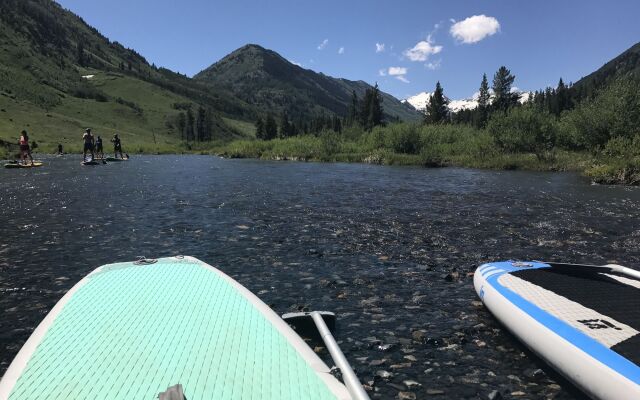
{"x":117,"y":146}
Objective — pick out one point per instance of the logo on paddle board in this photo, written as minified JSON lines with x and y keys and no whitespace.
{"x":598,"y":324}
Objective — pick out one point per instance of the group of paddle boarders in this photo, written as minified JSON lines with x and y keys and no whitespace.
{"x":94,"y":146}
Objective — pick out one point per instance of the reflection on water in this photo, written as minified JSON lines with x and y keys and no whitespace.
{"x":388,"y":249}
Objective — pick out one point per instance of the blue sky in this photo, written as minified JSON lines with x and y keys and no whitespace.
{"x":454,"y":42}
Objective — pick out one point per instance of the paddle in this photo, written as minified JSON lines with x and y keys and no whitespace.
{"x":301,"y":322}
{"x":603,"y":269}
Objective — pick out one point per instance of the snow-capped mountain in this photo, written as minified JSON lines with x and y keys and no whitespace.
{"x":420,"y":101}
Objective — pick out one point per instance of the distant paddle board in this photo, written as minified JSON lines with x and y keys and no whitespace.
{"x":36,"y":164}
{"x":583,"y":323}
{"x":132,"y":330}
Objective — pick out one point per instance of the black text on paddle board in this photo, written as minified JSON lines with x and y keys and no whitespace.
{"x":598,"y":324}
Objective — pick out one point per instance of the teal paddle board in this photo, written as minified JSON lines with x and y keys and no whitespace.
{"x":134,"y":330}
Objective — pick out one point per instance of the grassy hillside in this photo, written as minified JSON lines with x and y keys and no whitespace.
{"x":46,"y":54}
{"x":142,"y":113}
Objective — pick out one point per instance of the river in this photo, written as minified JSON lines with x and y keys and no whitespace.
{"x":389,"y":249}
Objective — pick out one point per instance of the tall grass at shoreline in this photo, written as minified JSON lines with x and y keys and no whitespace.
{"x":405,"y":144}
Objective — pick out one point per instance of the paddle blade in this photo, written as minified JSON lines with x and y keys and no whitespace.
{"x":303,"y":324}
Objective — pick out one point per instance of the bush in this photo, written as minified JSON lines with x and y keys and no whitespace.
{"x":622,"y":148}
{"x":401,"y":138}
{"x":85,"y":91}
{"x":614,"y":112}
{"x":135,"y":107}
{"x":524,"y":130}
{"x":330,"y":143}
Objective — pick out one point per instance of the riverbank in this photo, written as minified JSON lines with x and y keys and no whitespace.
{"x":445,"y":146}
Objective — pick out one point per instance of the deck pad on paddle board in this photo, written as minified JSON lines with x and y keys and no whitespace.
{"x":116,"y":159}
{"x":130,"y":331}
{"x":584,"y":323}
{"x":27,"y":165}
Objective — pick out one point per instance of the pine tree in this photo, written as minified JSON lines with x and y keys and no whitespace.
{"x":376,"y":106}
{"x":353,"y":109}
{"x":261,"y":133}
{"x":564,"y":97}
{"x":371,"y":108}
{"x":189,"y":130}
{"x":201,"y":124}
{"x":336,"y":124}
{"x":484,"y":101}
{"x":209,"y":116}
{"x":285,"y":126}
{"x":271,"y":128}
{"x":182,"y":124}
{"x":437,"y":111}
{"x":81,"y":58}
{"x":502,"y":83}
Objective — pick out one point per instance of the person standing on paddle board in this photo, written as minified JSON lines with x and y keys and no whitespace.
{"x":117,"y":146}
{"x":60,"y":152}
{"x":99,"y":150}
{"x":25,"y":150}
{"x":88,"y":144}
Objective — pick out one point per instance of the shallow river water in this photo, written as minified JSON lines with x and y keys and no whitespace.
{"x":390,"y":250}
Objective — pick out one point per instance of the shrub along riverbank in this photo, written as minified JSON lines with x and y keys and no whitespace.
{"x":448,"y":145}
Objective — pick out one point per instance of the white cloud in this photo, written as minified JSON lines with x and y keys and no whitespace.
{"x":341,"y":50}
{"x":324,"y":44}
{"x":422,"y":50}
{"x":379,"y":47}
{"x":474,"y":29}
{"x":295,"y":63}
{"x":399,"y":73}
{"x":434,"y":65}
{"x":393,"y":71}
{"x":382,"y":72}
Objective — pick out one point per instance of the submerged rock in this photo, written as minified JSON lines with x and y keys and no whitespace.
{"x":407,"y":396}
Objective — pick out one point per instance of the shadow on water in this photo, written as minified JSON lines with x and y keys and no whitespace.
{"x":390,"y":250}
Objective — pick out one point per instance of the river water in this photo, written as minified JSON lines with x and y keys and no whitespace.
{"x":390,"y":250}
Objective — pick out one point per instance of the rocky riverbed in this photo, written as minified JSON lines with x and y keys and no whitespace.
{"x":391,"y":251}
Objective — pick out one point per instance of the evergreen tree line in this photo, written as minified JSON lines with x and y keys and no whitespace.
{"x":551,"y":100}
{"x":502,"y":100}
{"x":368,"y":112}
{"x":365,"y":113}
{"x":267,"y":128}
{"x":196,"y":127}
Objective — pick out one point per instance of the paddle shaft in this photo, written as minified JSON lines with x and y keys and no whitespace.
{"x":350,"y":379}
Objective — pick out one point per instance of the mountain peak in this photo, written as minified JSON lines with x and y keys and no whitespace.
{"x":263,"y":78}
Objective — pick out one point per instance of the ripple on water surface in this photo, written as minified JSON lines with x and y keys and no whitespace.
{"x":390,"y":250}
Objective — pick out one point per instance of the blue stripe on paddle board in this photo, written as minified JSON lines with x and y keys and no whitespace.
{"x":585,"y":343}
